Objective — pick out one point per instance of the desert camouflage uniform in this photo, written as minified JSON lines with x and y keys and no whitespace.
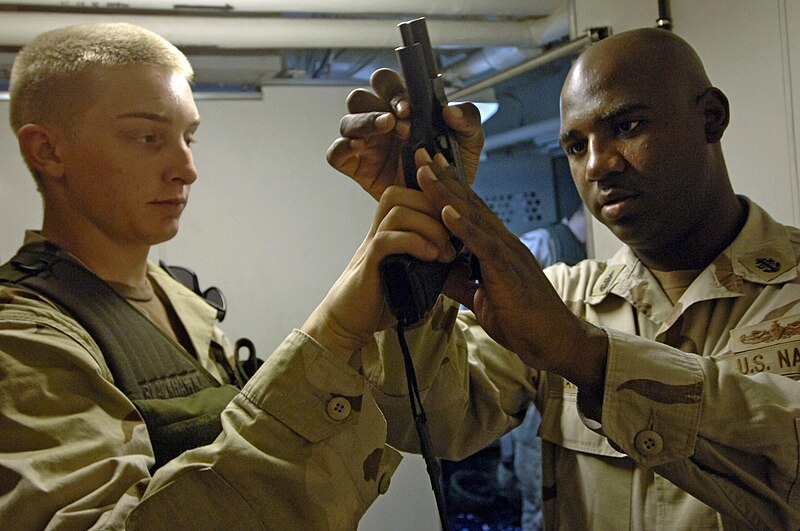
{"x":75,"y":454}
{"x":723,"y":425}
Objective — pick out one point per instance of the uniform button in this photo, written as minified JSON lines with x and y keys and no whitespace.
{"x":383,"y":484}
{"x":339,"y":408}
{"x":649,"y":443}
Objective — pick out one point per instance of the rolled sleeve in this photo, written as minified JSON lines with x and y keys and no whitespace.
{"x":303,"y":446}
{"x":653,"y":400}
{"x":329,"y":403}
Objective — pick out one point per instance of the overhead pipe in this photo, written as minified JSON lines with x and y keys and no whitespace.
{"x":570,"y":48}
{"x":506,"y":8}
{"x":550,"y":29}
{"x":17,"y":28}
{"x":664,"y":18}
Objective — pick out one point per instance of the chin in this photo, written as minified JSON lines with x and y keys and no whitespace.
{"x":163,"y":236}
{"x":628,"y":235}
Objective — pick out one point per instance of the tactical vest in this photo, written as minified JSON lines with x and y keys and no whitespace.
{"x":178,"y":399}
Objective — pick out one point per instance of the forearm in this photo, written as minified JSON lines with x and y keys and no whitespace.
{"x":473,"y":390}
{"x":728,"y":439}
{"x":305,"y":422}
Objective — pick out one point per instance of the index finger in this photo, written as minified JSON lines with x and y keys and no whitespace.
{"x":442,"y":188}
{"x":361,"y":100}
{"x":390,"y":86}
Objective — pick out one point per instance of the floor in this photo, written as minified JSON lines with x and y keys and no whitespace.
{"x":474,"y":498}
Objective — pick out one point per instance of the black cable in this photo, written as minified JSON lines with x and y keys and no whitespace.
{"x":420,"y":421}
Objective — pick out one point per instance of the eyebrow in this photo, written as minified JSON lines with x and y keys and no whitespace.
{"x":611,"y":115}
{"x":150,"y":116}
{"x":622,"y":110}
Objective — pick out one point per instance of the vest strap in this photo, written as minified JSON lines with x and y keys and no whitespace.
{"x":178,"y":399}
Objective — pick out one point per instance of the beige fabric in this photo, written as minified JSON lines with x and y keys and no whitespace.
{"x":74,"y":453}
{"x":730,"y":438}
{"x":675,"y":283}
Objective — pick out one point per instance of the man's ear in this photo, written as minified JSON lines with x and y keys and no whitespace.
{"x":717,"y":113}
{"x":40,"y":147}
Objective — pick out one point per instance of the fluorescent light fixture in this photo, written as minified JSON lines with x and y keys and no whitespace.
{"x":486,"y":108}
{"x":486,"y":102}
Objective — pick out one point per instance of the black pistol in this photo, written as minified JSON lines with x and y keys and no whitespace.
{"x":412,"y":286}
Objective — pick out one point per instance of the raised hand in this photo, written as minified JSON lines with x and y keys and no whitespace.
{"x":355,"y":307}
{"x":368,"y":150}
{"x":515,"y":302}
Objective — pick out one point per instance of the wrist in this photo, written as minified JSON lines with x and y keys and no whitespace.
{"x":586,"y":365}
{"x":590,"y":372}
{"x":338,"y":343}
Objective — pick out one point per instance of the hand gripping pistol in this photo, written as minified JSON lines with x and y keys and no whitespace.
{"x":412,"y":286}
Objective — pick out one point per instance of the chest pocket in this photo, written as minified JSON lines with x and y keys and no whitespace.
{"x":561,"y":425}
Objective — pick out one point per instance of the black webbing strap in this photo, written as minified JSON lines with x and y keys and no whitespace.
{"x":420,"y":422}
{"x":178,"y":399}
{"x":145,"y":363}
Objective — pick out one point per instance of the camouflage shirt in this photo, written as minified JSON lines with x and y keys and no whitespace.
{"x":303,"y":445}
{"x":700,"y":396}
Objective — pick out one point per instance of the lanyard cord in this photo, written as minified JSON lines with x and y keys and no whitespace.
{"x":420,"y":421}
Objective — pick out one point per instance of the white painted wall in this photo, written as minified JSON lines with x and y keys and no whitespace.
{"x":20,"y":203}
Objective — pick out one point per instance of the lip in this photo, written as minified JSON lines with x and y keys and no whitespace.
{"x":171,"y":200}
{"x":176,"y":203}
{"x":615,"y":203}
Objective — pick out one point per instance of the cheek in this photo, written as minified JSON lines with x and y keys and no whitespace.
{"x":104,"y":179}
{"x":581,"y":184}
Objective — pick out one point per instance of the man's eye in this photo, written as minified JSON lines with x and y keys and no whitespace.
{"x":575,"y":148}
{"x":628,"y":126}
{"x":148,"y":139}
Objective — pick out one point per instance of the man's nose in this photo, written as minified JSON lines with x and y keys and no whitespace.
{"x":182,"y":165}
{"x":604,"y":159}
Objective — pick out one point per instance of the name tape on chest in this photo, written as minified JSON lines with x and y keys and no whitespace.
{"x":772,"y":346}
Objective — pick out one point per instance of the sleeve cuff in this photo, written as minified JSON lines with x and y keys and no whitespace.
{"x":307,"y":389}
{"x":653,"y":399}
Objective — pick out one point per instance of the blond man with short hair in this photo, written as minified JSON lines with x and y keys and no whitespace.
{"x":120,"y":400}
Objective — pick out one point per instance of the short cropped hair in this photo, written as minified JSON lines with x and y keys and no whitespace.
{"x":45,"y":85}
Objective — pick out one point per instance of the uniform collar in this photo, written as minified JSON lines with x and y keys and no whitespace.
{"x":762,"y":253}
{"x":197,"y":316}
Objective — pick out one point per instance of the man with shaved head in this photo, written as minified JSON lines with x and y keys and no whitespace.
{"x":666,"y":375}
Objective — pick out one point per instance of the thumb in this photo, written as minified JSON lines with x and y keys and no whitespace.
{"x":459,"y":285}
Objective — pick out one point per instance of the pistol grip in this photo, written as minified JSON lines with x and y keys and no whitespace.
{"x":411,"y":286}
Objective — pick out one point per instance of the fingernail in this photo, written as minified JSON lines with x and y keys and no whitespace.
{"x":451,"y":211}
{"x":429,"y":173}
{"x":457,"y":112}
{"x":425,"y":155}
{"x":441,"y":160}
{"x":382,"y":120}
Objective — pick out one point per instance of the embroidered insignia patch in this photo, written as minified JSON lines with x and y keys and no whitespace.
{"x":768,"y":265}
{"x":606,"y":280}
{"x":771,"y":346}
